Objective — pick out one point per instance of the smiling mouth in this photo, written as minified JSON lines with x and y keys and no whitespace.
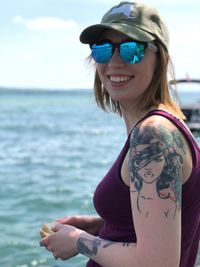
{"x":119,"y":79}
{"x":148,"y":175}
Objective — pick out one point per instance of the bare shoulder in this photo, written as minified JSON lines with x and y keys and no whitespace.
{"x":166,"y":133}
{"x":162,"y":129}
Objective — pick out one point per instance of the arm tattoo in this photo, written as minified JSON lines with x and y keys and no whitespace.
{"x":125,"y":244}
{"x":89,"y":247}
{"x":155,"y":163}
{"x":109,"y":243}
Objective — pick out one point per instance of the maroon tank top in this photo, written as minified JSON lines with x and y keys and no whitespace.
{"x":112,"y":201}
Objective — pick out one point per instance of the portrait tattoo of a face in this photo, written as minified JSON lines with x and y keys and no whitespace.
{"x":155,"y":168}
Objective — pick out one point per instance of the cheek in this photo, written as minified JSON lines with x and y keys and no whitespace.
{"x":101,"y":68}
{"x":141,"y":173}
{"x":149,"y":64}
{"x":159,"y":168}
{"x":152,"y":64}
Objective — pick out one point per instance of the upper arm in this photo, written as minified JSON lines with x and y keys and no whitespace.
{"x":155,"y":169}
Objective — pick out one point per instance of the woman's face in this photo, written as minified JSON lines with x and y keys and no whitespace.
{"x":152,"y":171}
{"x":125,"y":82}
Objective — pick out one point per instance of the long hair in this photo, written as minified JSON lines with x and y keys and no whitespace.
{"x":168,"y":177}
{"x":157,"y":93}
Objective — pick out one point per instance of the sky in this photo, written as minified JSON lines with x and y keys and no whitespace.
{"x":40,"y":48}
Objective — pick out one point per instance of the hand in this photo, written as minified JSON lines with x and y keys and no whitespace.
{"x":89,"y":224}
{"x":63,"y":243}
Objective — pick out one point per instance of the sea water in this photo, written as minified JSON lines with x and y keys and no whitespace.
{"x":55,"y":146}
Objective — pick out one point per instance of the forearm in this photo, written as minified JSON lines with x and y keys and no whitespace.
{"x":119,"y":254}
{"x":106,"y":253}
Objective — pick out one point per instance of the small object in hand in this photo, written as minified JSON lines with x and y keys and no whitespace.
{"x":45,"y":230}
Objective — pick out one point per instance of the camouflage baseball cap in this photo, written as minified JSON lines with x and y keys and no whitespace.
{"x":137,"y":21}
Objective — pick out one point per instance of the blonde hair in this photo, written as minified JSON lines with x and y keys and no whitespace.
{"x":156,"y":94}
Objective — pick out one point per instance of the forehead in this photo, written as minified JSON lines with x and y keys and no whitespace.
{"x":114,"y":36}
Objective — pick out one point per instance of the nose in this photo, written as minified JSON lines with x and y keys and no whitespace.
{"x":116,"y":61}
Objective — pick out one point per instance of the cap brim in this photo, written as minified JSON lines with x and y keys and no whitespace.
{"x":92,"y":33}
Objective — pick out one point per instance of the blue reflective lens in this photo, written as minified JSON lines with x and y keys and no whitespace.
{"x":101,"y":53}
{"x":130,"y":52}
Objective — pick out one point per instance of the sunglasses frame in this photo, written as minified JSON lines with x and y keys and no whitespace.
{"x":146,"y":45}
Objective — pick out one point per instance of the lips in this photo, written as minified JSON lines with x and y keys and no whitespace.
{"x":119,"y":78}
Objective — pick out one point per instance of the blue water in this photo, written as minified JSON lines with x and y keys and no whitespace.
{"x":55,"y":147}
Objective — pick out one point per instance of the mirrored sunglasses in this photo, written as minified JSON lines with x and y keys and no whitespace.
{"x":129,"y":51}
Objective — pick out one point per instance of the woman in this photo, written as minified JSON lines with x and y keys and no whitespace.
{"x":148,"y":202}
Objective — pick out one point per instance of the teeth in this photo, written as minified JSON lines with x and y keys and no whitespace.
{"x":118,"y":79}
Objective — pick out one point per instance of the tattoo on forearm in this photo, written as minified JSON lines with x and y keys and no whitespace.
{"x":125,"y":244}
{"x":155,"y":163}
{"x":108,"y":243}
{"x":89,"y":247}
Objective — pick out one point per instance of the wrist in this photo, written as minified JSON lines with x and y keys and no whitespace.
{"x":79,"y":233}
{"x":87,"y":244}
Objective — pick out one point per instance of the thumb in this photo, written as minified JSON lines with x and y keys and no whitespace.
{"x":57,"y":227}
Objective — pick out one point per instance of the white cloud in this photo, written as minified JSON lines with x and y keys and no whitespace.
{"x":50,"y":23}
{"x":45,"y":23}
{"x":27,"y":58}
{"x":17,"y":19}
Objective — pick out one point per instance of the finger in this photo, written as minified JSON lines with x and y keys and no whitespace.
{"x":57,"y":227}
{"x":43,"y":242}
{"x":68,"y":220}
{"x":55,"y":256}
{"x":61,"y":220}
{"x":49,"y":248}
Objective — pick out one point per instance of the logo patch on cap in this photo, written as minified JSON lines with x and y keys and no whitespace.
{"x":125,"y":9}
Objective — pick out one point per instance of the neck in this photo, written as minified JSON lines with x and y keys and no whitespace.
{"x":132,"y":116}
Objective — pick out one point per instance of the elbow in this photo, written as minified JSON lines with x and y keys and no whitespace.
{"x":158,"y":262}
{"x":157,"y":258}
